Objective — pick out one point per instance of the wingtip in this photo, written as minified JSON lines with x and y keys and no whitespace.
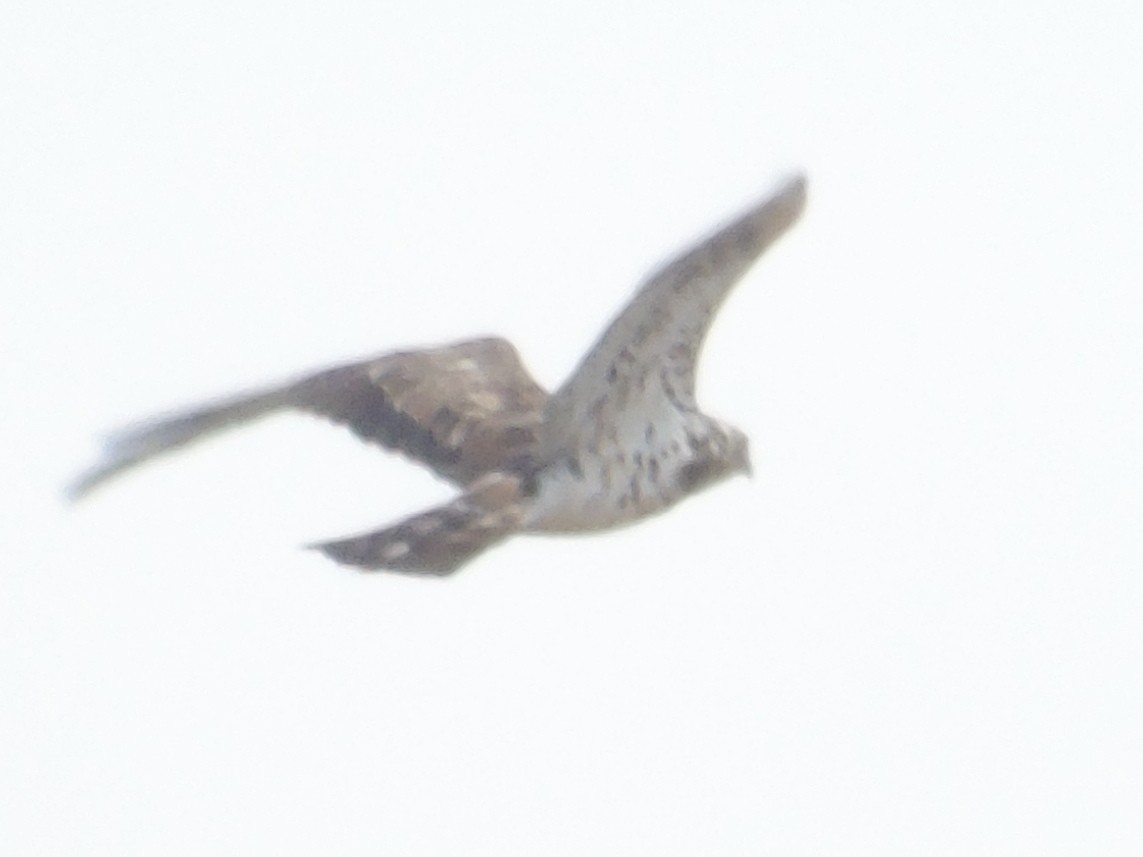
{"x":792,"y":179}
{"x":783,"y":206}
{"x":114,"y":463}
{"x":76,"y":490}
{"x":791,"y":189}
{"x":81,"y":487}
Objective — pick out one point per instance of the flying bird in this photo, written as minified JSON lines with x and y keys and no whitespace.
{"x":622,"y":439}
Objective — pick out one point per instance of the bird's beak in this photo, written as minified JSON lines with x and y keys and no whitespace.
{"x":747,"y":466}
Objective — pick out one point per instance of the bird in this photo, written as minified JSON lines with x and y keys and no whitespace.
{"x":621,"y":439}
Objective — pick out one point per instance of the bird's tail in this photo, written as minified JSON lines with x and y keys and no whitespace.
{"x":440,"y":540}
{"x":136,"y":444}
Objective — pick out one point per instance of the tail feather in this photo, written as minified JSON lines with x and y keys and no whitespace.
{"x":137,"y":444}
{"x":439,"y":540}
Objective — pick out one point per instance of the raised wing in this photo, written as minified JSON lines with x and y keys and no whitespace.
{"x":661,"y":330}
{"x":463,"y":410}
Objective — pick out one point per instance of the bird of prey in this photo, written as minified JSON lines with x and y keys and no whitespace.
{"x":622,"y":439}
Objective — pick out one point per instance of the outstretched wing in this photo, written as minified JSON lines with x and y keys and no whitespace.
{"x":647,"y":355}
{"x":463,"y":410}
{"x":440,"y":540}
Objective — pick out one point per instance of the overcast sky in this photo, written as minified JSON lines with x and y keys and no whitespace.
{"x":917,"y":630}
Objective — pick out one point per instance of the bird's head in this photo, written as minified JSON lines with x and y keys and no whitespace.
{"x":719,"y":453}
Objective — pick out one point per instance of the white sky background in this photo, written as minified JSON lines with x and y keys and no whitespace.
{"x":917,"y":631}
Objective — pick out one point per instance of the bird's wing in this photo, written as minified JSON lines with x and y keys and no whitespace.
{"x":647,"y":355}
{"x":439,"y":540}
{"x":463,"y":410}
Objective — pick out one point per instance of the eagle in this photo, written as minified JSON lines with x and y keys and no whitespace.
{"x":623,"y":437}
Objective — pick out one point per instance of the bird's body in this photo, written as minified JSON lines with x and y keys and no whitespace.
{"x":622,"y":439}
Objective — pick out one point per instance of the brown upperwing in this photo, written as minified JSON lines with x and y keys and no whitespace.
{"x":463,"y":410}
